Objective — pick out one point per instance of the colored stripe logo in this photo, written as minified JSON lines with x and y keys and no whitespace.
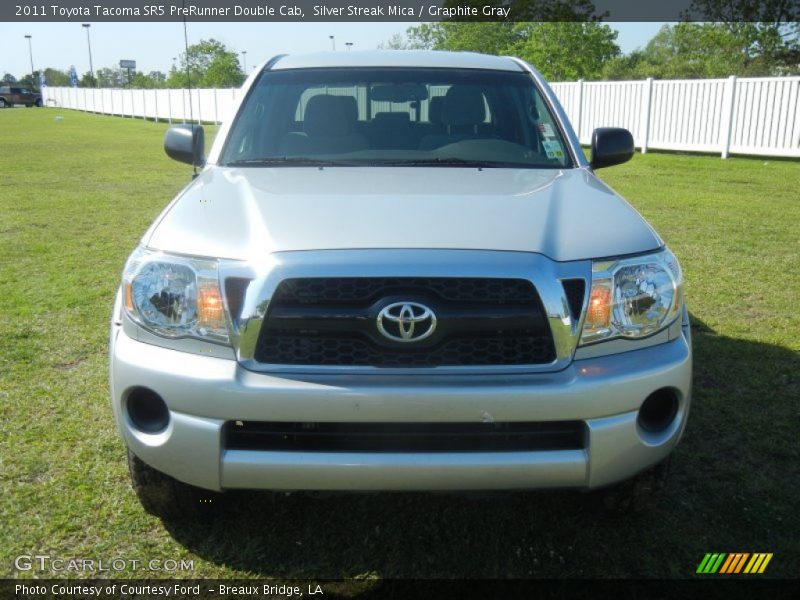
{"x":734,"y":563}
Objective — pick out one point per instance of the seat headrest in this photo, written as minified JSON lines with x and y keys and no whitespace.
{"x":327,"y":115}
{"x":463,"y":105}
{"x":435,"y":110}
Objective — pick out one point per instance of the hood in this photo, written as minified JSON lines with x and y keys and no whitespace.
{"x":246,"y":213}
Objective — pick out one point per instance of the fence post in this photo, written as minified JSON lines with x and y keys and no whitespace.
{"x":155,"y":100}
{"x":169,"y":106}
{"x":646,"y":110}
{"x":144,"y":104}
{"x":216,"y":110}
{"x":579,"y":120}
{"x":728,"y":118}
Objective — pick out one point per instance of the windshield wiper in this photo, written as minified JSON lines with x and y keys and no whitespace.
{"x":449,"y":162}
{"x":289,"y":161}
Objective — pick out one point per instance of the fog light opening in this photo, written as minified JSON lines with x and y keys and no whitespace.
{"x":658,"y":411}
{"x":147,"y":410}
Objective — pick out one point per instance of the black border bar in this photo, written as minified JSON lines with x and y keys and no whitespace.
{"x":412,"y":11}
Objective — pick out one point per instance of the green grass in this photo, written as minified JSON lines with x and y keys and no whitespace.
{"x":76,"y":195}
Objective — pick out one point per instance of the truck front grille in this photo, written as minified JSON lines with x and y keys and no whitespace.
{"x":404,"y":437}
{"x":332,"y":322}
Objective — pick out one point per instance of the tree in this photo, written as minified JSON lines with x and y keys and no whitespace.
{"x":560,"y":50}
{"x":30,"y":81}
{"x":711,"y":50}
{"x":209,"y":64}
{"x":56,"y":77}
{"x":9,"y":78}
{"x":566,"y":51}
{"x":87,"y":80}
{"x":426,"y":36}
{"x":158,"y":78}
{"x":396,"y":42}
{"x":111,"y":77}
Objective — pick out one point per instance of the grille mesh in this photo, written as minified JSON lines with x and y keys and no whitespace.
{"x":293,"y":334}
{"x":404,"y":437}
{"x":363,"y":290}
{"x":281,"y":349}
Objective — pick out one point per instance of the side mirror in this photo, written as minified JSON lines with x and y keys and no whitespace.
{"x":186,"y":143}
{"x":611,"y":146}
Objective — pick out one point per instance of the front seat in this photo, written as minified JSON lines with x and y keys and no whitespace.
{"x":328,"y":128}
{"x":462,"y":112}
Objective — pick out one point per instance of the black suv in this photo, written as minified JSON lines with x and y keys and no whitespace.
{"x":9,"y":96}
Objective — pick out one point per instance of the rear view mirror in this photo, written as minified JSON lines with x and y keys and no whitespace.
{"x":399,"y":92}
{"x":186,"y":143}
{"x":611,"y":146}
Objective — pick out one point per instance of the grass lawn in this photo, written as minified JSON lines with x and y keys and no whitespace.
{"x":76,"y":195}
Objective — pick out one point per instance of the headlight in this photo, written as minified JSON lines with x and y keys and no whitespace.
{"x":633,"y":297}
{"x":175,"y":296}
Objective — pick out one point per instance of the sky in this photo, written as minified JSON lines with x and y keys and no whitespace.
{"x":153,"y":45}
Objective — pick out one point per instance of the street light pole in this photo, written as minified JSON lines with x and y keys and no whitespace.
{"x":333,"y":42}
{"x":349,"y":45}
{"x":89,"y":42}
{"x":244,"y":58}
{"x":30,"y":53}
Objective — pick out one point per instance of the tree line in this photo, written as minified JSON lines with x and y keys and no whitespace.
{"x":562,"y":51}
{"x":565,"y":51}
{"x":209,"y":63}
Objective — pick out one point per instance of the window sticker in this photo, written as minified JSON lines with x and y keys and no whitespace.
{"x":553,"y":149}
{"x":546,"y":130}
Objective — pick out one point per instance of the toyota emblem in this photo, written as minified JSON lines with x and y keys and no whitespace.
{"x":406,"y":322}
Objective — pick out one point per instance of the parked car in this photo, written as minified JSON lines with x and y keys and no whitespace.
{"x":398,"y":271}
{"x":9,"y":96}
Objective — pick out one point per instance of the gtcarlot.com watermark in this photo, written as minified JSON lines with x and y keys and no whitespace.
{"x":48,"y":563}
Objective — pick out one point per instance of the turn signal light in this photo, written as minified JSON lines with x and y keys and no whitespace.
{"x":599,"y":312}
{"x":210,"y":310}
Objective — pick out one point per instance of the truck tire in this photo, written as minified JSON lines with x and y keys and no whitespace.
{"x":3,"y":103}
{"x":166,"y":497}
{"x":639,"y":494}
{"x":39,"y":103}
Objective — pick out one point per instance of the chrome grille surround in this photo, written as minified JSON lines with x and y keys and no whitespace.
{"x":545,"y":275}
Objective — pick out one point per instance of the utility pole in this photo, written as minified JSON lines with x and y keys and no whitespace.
{"x":30,"y":53}
{"x":89,"y":42}
{"x":333,"y":42}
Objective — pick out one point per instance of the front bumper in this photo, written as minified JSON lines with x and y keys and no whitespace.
{"x":203,"y":392}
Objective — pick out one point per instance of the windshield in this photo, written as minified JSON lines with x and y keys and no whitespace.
{"x":395,"y":117}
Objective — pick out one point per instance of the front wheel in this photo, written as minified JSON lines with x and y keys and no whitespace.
{"x":166,"y":497}
{"x":3,"y":103}
{"x":39,"y":103}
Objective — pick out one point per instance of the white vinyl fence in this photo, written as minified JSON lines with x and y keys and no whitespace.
{"x":729,"y":116}
{"x":733,"y":115}
{"x":206,"y":105}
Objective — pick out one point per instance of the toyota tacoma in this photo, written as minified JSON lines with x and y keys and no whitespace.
{"x":397,"y":271}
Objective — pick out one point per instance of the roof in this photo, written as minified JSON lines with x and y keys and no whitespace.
{"x":398,"y":58}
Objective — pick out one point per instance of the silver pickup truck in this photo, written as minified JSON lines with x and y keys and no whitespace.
{"x":398,"y":271}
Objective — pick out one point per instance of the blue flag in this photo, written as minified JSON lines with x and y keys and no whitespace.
{"x":73,"y":77}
